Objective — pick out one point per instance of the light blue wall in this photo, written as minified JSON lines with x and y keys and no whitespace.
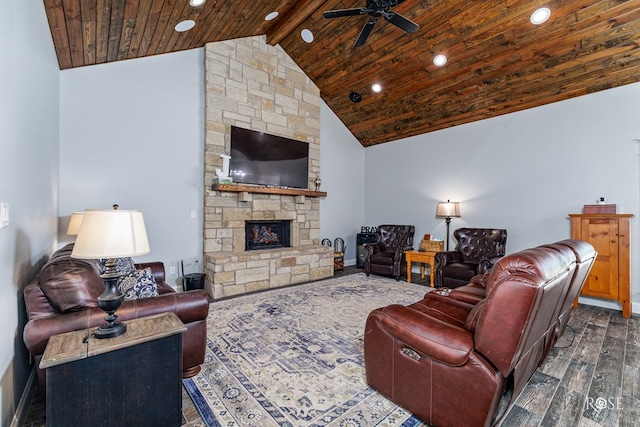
{"x":29,"y":138}
{"x":132,"y":133}
{"x":342,"y":166}
{"x":524,"y":171}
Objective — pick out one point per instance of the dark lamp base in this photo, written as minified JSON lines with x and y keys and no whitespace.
{"x":110,"y":330}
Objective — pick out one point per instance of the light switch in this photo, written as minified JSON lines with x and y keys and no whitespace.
{"x":4,"y":214}
{"x":193,"y":214}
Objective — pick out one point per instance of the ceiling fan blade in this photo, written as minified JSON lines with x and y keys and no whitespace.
{"x":366,"y":30}
{"x":401,"y":22}
{"x":343,"y":12}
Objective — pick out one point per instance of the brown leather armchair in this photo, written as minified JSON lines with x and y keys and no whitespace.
{"x":386,"y":256}
{"x":475,"y":253}
{"x":451,"y":363}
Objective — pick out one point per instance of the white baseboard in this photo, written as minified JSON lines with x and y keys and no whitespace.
{"x":20,"y":415}
{"x":613,"y":305}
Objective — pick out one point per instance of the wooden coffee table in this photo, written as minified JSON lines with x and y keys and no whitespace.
{"x":423,"y":257}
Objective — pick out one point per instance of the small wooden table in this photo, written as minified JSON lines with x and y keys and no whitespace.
{"x":129,"y":380}
{"x":423,"y":257}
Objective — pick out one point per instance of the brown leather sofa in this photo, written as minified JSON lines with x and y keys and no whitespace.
{"x":475,"y":253}
{"x":386,"y":256}
{"x":73,"y":307}
{"x":453,"y":362}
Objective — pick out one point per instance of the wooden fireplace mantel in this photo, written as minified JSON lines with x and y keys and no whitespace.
{"x":239,"y":188}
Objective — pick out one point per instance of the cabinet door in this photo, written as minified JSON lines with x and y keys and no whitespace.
{"x":602,"y":233}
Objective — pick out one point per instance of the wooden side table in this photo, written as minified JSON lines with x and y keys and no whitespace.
{"x":423,"y":257}
{"x":130,"y":380}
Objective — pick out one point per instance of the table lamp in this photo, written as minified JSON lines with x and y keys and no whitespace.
{"x":448,"y":210}
{"x":74,"y":223}
{"x":111,"y":234}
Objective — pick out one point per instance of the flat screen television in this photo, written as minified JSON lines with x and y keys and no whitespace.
{"x":263,"y":159}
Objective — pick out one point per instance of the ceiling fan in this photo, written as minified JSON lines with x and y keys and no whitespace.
{"x":376,"y":9}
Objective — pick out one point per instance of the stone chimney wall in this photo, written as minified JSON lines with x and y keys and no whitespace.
{"x":253,"y":85}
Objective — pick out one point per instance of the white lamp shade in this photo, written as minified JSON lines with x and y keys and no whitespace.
{"x":448,"y":210}
{"x":74,"y":223}
{"x":111,"y":234}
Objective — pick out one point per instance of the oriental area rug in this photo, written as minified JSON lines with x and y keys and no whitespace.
{"x":293,"y":357}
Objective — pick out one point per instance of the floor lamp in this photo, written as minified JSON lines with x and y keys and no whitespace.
{"x":448,"y":210}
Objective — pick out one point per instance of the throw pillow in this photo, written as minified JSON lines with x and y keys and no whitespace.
{"x":138,"y":284}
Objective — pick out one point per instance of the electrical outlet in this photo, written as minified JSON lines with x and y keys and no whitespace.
{"x":193,"y":214}
{"x":172,"y":270}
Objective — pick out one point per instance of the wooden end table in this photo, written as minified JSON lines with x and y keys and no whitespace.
{"x":423,"y":257}
{"x":130,"y":380}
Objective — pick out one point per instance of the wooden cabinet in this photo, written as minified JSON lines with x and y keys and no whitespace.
{"x":609,"y":235}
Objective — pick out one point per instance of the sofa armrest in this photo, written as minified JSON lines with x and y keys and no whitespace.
{"x":189,"y":306}
{"x":432,"y":337}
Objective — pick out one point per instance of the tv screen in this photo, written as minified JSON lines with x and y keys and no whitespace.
{"x":260,"y":158}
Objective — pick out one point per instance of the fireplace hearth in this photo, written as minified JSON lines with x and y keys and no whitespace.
{"x":267,"y":234}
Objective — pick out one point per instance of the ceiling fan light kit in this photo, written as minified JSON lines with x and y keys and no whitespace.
{"x":375,"y":9}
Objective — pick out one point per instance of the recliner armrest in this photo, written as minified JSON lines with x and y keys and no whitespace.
{"x":443,"y":258}
{"x":432,"y":337}
{"x":373,"y":248}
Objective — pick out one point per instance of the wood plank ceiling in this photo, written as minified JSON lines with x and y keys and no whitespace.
{"x":498,"y":61}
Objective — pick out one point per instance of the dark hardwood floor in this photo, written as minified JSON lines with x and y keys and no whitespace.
{"x":590,"y":379}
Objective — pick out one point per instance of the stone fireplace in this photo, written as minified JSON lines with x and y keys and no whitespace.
{"x":253,"y":85}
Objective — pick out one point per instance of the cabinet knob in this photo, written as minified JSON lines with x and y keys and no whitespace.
{"x":613,"y":241}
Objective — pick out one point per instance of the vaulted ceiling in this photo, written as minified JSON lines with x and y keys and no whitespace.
{"x":498,"y":61}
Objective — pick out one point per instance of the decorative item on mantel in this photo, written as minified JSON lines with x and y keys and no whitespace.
{"x":318,"y":183}
{"x":222,"y":180}
{"x":601,"y":207}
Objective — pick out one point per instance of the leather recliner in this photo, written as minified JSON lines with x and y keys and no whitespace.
{"x":475,"y":253}
{"x":386,"y":256}
{"x":453,"y":363}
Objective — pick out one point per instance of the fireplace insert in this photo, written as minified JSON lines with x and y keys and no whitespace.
{"x":267,"y":234}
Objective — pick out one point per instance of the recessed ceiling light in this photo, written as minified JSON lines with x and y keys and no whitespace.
{"x":196,"y":3}
{"x":540,"y":15}
{"x":185,"y":25}
{"x":307,"y":35}
{"x":440,"y":60}
{"x":271,"y":16}
{"x":376,"y":87}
